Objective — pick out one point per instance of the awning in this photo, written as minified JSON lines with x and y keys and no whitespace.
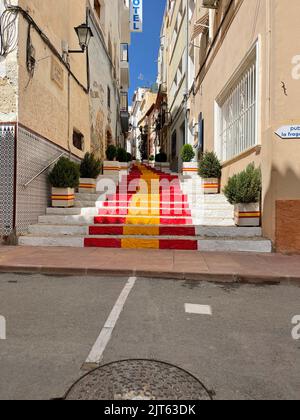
{"x":200,"y":26}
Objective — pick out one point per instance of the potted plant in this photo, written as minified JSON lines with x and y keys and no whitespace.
{"x":122,"y":158}
{"x":210,"y":170}
{"x":244,"y":192}
{"x":152,"y":161}
{"x":187,"y":155}
{"x":64,"y":178}
{"x":111,"y":166}
{"x":161,"y":162}
{"x":90,"y":169}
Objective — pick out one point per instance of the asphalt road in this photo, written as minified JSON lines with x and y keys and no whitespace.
{"x":243,"y":350}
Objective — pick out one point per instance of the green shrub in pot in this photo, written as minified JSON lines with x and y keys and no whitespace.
{"x":244,"y":192}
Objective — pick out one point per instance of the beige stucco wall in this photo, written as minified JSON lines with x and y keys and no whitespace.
{"x":43,"y":104}
{"x":273,"y":24}
{"x":104,"y":57}
{"x":8,"y":81}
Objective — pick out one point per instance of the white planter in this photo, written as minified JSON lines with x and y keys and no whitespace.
{"x":190,"y":169}
{"x":247,"y":215}
{"x":124,"y":168}
{"x":111,"y":168}
{"x":63,"y":197}
{"x":87,"y":185}
{"x":211,"y":185}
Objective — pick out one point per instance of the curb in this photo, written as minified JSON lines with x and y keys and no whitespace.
{"x":231,"y":278}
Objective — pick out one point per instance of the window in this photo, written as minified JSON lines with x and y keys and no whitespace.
{"x":108,"y":97}
{"x":238,"y":113}
{"x":124,"y":53}
{"x":78,"y":140}
{"x":124,"y":102}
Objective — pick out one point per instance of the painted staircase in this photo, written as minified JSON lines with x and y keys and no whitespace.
{"x":149,"y":210}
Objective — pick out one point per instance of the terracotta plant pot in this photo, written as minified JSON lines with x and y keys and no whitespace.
{"x":211,"y":185}
{"x":63,"y":197}
{"x":190,"y":169}
{"x":247,"y":215}
{"x":87,"y":185}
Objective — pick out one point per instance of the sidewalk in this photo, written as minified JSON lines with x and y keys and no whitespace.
{"x":181,"y":265}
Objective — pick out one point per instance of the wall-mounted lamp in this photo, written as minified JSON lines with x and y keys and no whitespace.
{"x":84,"y":34}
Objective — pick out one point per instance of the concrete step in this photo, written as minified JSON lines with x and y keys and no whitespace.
{"x":72,"y":211}
{"x":58,"y":230}
{"x":99,"y":196}
{"x":201,"y":231}
{"x":79,"y":220}
{"x":213,"y":221}
{"x":155,"y":242}
{"x":89,"y":220}
{"x":88,"y":204}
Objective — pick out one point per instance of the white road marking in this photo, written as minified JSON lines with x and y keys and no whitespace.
{"x":198,"y":309}
{"x":99,"y":347}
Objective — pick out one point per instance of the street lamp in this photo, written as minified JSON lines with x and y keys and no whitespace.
{"x":84,"y":34}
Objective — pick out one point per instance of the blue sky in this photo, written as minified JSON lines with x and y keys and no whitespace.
{"x":145,"y":46}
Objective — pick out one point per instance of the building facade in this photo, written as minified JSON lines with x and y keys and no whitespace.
{"x":243,"y":84}
{"x":55,"y":98}
{"x":143,"y":99}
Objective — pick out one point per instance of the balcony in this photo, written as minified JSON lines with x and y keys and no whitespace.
{"x":125,"y":26}
{"x":124,"y":66}
{"x":124,"y":114}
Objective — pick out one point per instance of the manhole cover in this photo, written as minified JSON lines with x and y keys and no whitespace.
{"x":138,"y":380}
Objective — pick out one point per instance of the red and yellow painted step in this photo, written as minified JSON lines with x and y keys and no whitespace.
{"x":146,"y":217}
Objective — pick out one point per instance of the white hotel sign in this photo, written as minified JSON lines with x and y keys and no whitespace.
{"x":136,"y":15}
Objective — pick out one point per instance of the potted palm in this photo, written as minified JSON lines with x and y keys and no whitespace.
{"x":111,"y":166}
{"x":187,"y":155}
{"x":90,"y":169}
{"x":210,"y":170}
{"x":244,"y":192}
{"x":64,"y":178}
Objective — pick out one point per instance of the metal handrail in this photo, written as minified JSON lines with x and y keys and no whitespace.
{"x":43,"y":170}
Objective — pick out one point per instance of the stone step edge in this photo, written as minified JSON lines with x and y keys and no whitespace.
{"x":151,"y":237}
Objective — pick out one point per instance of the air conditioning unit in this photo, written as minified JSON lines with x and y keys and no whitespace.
{"x":210,"y":4}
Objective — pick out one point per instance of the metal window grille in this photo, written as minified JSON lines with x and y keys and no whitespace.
{"x":238,"y":120}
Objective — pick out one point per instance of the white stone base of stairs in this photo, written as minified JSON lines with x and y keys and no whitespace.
{"x":204,"y":244}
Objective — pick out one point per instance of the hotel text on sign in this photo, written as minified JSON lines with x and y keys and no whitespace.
{"x":136,"y":15}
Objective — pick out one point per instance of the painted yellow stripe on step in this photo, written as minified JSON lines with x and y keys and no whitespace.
{"x":132,"y":243}
{"x":141,"y":230}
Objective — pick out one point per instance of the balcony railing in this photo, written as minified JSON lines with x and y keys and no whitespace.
{"x":124,"y":102}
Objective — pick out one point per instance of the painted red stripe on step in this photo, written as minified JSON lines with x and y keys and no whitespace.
{"x":178,"y":244}
{"x":106,"y":230}
{"x":177,"y":231}
{"x":178,"y":213}
{"x":102,"y":243}
{"x":167,"y":221}
{"x":109,"y":220}
{"x":113,"y":212}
